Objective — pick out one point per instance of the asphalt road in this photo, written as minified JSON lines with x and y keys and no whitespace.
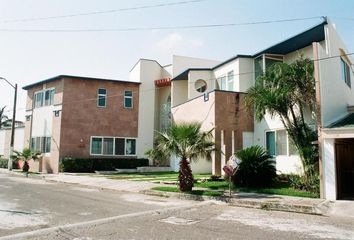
{"x":35,"y":209}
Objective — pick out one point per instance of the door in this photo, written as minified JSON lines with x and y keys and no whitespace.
{"x":345,"y":168}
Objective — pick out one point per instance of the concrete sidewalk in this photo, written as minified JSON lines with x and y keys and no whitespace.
{"x":253,"y":200}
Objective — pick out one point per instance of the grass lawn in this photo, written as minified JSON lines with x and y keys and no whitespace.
{"x":152,"y":176}
{"x":193,"y":192}
{"x":280,"y":188}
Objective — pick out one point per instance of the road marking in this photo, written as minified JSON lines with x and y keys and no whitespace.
{"x":99,"y":221}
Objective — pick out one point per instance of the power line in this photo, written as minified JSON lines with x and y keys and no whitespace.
{"x":158,"y":28}
{"x":101,"y":12}
{"x":156,"y":88}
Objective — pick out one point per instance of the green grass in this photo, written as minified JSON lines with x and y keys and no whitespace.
{"x":151,"y":176}
{"x":279,"y":188}
{"x":193,"y":192}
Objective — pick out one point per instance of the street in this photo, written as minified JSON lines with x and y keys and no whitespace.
{"x":36,"y":209}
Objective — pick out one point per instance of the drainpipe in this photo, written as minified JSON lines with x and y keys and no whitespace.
{"x":318,"y":113}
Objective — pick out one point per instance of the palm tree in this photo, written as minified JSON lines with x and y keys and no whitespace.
{"x":188,"y":142}
{"x":25,"y":155}
{"x":287,"y":90}
{"x":3,"y":117}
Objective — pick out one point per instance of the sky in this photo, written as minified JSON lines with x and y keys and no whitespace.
{"x":28,"y":57}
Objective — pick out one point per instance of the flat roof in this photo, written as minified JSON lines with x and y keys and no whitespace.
{"x":75,"y":77}
{"x":301,"y":40}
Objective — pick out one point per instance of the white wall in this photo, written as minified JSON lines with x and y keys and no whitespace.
{"x":246,"y":75}
{"x":335,"y":94}
{"x":42,"y":121}
{"x":5,"y":136}
{"x":179,"y":92}
{"x":193,"y":76}
{"x":181,"y":63}
{"x":146,"y":72}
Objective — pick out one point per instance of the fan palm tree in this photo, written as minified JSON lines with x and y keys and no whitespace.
{"x":188,"y":142}
{"x":287,"y":90}
{"x":26,"y":155}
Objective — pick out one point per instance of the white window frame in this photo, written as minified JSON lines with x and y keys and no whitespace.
{"x":228,"y":80}
{"x":114,"y":146}
{"x":347,"y":72}
{"x":101,"y":95}
{"x":125,"y":97}
{"x":42,"y":144}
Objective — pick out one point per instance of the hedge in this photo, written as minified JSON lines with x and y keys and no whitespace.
{"x":69,"y":164}
{"x":4,"y":162}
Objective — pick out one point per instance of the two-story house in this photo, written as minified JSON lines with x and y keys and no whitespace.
{"x":70,"y":116}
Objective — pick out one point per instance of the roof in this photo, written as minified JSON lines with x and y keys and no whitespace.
{"x":75,"y":77}
{"x":345,"y":122}
{"x":184,"y":75}
{"x":301,"y":40}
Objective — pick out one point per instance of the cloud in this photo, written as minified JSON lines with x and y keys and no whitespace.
{"x":176,"y":42}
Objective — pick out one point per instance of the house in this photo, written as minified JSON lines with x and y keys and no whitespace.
{"x":214,"y":96}
{"x":5,"y":137}
{"x":71,"y":116}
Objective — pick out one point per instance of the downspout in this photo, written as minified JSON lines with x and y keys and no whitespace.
{"x":318,"y":113}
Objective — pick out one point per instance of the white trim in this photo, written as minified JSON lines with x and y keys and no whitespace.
{"x":43,"y":91}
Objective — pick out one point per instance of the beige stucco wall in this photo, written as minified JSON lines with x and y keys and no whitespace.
{"x":5,"y":138}
{"x":181,"y":63}
{"x":179,"y":92}
{"x":194,"y":76}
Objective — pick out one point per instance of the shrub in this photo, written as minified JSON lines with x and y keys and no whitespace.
{"x":69,"y":164}
{"x":304,"y":183}
{"x":256,"y":168}
{"x":4,"y":162}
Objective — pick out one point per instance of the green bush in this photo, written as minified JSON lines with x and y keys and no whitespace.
{"x":256,"y":169}
{"x":310,"y":184}
{"x":4,"y":162}
{"x":69,"y":164}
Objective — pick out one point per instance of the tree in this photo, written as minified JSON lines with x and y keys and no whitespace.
{"x":287,"y":91}
{"x":3,"y":117}
{"x":188,"y":142}
{"x":26,"y":155}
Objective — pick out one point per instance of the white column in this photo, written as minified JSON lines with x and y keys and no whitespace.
{"x":222,"y":148}
{"x":329,"y":170}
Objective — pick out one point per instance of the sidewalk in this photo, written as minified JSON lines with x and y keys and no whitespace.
{"x":252,"y":200}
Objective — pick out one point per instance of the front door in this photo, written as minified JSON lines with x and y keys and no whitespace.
{"x":345,"y":168}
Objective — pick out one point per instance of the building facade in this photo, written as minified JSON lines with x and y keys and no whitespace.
{"x":69,"y":116}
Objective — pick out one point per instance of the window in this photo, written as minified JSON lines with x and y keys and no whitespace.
{"x":130,"y":147}
{"x":128,"y":99}
{"x":44,"y":98}
{"x":96,"y":146}
{"x":345,"y":69}
{"x":270,"y":143}
{"x":113,"y":146}
{"x":279,"y":143}
{"x":38,"y":99}
{"x":200,"y":85}
{"x":262,"y":62}
{"x":101,"y":97}
{"x":41,"y":144}
{"x":120,"y":146}
{"x":222,"y":82}
{"x":230,"y":81}
{"x":49,"y":97}
{"x":107,"y":146}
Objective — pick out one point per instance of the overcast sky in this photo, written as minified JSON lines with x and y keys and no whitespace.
{"x":28,"y":57}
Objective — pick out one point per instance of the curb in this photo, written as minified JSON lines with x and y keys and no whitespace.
{"x":21,"y":174}
{"x":320,"y":209}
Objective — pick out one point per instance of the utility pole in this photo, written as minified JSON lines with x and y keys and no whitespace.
{"x":9,"y":163}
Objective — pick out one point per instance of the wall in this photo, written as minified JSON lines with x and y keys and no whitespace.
{"x":5,"y":138}
{"x":146,"y":72}
{"x":224,"y":69}
{"x":81,"y":118}
{"x":335,"y":94}
{"x":179,"y":92}
{"x":193,"y":76}
{"x":206,"y":115}
{"x":181,"y":63}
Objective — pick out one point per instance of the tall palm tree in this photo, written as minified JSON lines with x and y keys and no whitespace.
{"x":286,"y":90}
{"x":188,"y":142}
{"x":3,"y":117}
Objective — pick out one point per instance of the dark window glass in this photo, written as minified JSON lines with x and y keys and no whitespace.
{"x":119,"y":146}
